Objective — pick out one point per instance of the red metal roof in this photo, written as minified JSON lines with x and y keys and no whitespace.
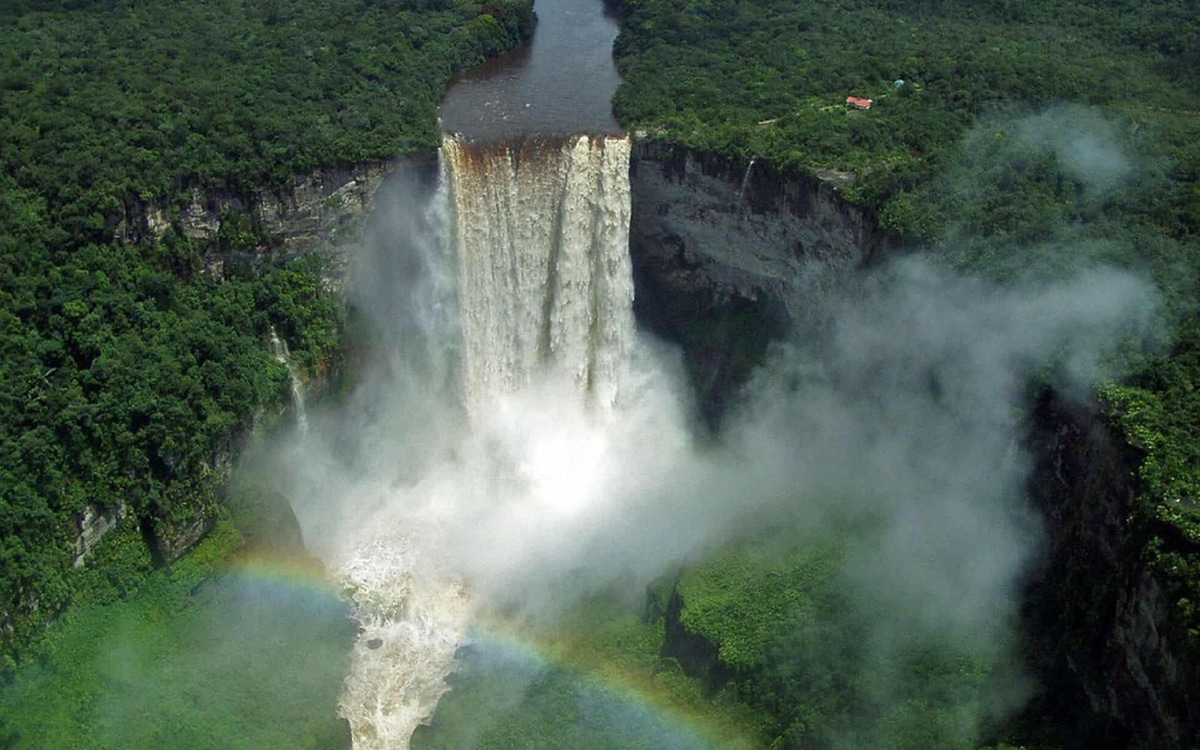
{"x":855,"y":101}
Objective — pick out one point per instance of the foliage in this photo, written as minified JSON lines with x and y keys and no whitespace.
{"x":1028,"y":139}
{"x":112,"y":100}
{"x":127,"y":373}
{"x":595,"y":679}
{"x":239,"y":663}
{"x":764,"y":76}
{"x":1159,"y":413}
{"x":743,"y":599}
{"x":797,"y":648}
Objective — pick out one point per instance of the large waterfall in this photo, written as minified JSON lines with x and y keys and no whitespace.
{"x":539,"y":235}
{"x":542,"y":239}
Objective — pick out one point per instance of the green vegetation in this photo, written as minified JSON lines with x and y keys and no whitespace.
{"x":795,"y":664}
{"x":1159,"y":413}
{"x":202,"y":657}
{"x":743,"y":599}
{"x":599,"y":679}
{"x":128,"y":369}
{"x":1028,"y":138}
{"x":770,"y":77}
{"x":793,"y":645}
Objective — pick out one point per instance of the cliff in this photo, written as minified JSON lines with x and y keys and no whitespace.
{"x":323,"y":211}
{"x":729,"y":255}
{"x":1112,"y":660}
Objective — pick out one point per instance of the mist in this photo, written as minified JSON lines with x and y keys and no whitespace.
{"x":895,"y":430}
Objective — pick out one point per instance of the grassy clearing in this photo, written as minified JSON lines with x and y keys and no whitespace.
{"x":207,"y":654}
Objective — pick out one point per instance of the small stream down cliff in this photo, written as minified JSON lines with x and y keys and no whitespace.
{"x":539,"y":242}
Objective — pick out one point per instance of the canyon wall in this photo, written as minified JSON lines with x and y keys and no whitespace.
{"x":731,"y":254}
{"x":323,"y":211}
{"x":1113,"y":664}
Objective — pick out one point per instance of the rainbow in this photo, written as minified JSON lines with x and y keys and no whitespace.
{"x":683,"y":722}
{"x":640,"y":695}
{"x":294,"y":573}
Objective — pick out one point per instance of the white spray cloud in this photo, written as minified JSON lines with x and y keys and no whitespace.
{"x":902,"y":414}
{"x":1086,"y":144}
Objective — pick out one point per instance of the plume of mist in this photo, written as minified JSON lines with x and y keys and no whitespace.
{"x":1087,"y":146}
{"x":1082,"y":142}
{"x":902,"y":418}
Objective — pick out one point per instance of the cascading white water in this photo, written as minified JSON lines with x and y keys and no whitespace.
{"x":279,"y":350}
{"x":540,"y":236}
{"x":746,"y":179}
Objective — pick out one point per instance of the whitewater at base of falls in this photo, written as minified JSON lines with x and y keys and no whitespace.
{"x":410,"y":630}
{"x":540,"y":236}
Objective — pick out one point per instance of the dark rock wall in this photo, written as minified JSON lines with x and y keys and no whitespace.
{"x":322,"y":211}
{"x":1110,"y":661}
{"x":728,"y":255}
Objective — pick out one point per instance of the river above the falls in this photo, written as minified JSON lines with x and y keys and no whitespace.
{"x":561,"y":83}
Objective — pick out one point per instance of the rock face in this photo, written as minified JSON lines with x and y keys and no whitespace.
{"x":696,"y":655}
{"x":705,"y":225}
{"x":266,"y":520}
{"x":172,"y":540}
{"x":728,"y":255}
{"x":90,"y":527}
{"x":1103,"y":642}
{"x":320,"y":211}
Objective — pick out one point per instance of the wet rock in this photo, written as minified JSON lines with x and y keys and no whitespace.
{"x":1111,"y":658}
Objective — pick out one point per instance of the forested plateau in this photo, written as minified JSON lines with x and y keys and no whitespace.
{"x":129,"y":372}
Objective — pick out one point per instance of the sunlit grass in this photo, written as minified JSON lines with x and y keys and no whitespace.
{"x":236,"y":660}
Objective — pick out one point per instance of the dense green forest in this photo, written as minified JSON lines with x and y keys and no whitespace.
{"x":1012,"y":139}
{"x":127,"y":370}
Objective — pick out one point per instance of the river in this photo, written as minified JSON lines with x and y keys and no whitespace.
{"x":561,"y":83}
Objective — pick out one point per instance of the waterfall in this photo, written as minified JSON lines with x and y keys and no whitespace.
{"x":746,"y":178}
{"x":279,"y":350}
{"x":541,"y":230}
{"x":539,"y":236}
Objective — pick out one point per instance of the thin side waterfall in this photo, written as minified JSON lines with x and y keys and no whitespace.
{"x":279,"y":350}
{"x":746,"y":178}
{"x":539,"y":234}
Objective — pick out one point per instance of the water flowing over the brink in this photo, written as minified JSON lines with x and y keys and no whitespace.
{"x":539,"y":231}
{"x":542,"y":238}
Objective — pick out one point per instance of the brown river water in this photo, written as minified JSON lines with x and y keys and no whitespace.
{"x":561,"y":83}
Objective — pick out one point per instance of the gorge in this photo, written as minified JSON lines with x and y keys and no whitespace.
{"x":629,"y":444}
{"x":685,"y":209}
{"x":523,"y":442}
